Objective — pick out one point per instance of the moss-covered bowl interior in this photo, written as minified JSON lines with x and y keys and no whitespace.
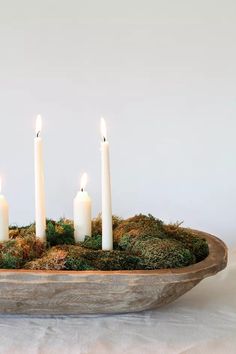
{"x":142,"y":242}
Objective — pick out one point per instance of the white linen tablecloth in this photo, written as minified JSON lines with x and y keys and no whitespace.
{"x":202,"y":321}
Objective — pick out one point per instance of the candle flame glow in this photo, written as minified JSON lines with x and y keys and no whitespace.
{"x":83,"y":181}
{"x":103,"y":129}
{"x":38,"y":125}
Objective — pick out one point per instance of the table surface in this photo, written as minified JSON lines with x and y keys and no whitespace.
{"x":202,"y":321}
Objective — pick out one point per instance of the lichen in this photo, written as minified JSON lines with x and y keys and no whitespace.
{"x":140,"y":242}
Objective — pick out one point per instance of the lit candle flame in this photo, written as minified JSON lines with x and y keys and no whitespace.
{"x":38,"y":125}
{"x":103,"y":129}
{"x":83,"y":181}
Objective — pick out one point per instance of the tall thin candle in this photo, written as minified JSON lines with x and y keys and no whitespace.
{"x":4,"y":217}
{"x":40,"y":212}
{"x":107,"y":236}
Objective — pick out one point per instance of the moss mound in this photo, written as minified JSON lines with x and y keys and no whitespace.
{"x":21,"y":248}
{"x":140,"y":242}
{"x":80,"y":258}
{"x":60,"y":233}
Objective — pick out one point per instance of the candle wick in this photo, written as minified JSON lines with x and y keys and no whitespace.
{"x":37,"y":135}
{"x":82,"y":189}
{"x":104,"y":139}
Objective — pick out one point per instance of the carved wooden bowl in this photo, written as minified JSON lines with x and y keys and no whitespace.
{"x":92,"y":292}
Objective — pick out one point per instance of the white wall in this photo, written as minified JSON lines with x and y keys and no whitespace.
{"x":163,"y":75}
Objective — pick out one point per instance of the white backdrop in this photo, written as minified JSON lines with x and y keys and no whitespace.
{"x":163,"y":75}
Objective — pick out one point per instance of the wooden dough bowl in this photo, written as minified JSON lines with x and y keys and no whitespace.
{"x":93,"y":292}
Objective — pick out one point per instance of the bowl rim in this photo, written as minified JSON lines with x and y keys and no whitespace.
{"x":213,"y":263}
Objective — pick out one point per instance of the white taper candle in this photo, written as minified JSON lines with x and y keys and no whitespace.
{"x":107,"y":234}
{"x":40,"y":211}
{"x":4,"y":217}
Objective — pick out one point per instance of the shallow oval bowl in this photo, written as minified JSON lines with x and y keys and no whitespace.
{"x":93,"y":292}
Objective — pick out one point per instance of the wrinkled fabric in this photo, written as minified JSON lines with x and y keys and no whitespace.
{"x":202,"y":321}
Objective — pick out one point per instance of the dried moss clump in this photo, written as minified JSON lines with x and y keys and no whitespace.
{"x":170,"y":245}
{"x":94,"y":242}
{"x":100,"y":260}
{"x":156,"y":253}
{"x":140,"y":242}
{"x":76,"y":259}
{"x":140,"y":225}
{"x":197,"y":246}
{"x":53,"y":259}
{"x":16,"y":252}
{"x":59,"y":233}
{"x":79,"y":258}
{"x":97,"y":224}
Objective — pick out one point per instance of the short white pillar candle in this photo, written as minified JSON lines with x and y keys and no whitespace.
{"x":82,"y":212}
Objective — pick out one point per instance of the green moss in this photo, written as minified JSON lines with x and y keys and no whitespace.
{"x":116,"y":260}
{"x":126,"y":242}
{"x":16,"y":252}
{"x":145,"y":225}
{"x":97,"y":224}
{"x":140,"y":242}
{"x":143,"y":233}
{"x":76,"y":259}
{"x":52,"y":259}
{"x":156,"y":253}
{"x":11,"y":256}
{"x":9,"y":261}
{"x":198,"y":246}
{"x":103,"y":260}
{"x":94,"y":242}
{"x":59,"y":233}
{"x":77,"y":264}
